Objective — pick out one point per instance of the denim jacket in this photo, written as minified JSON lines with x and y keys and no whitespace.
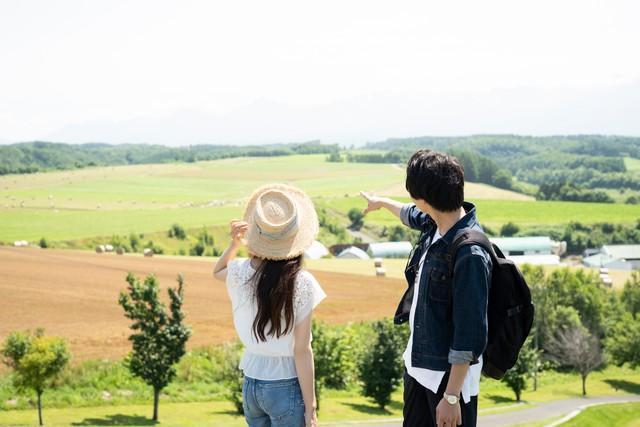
{"x":450,"y":324}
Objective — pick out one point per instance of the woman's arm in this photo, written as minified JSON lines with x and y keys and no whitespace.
{"x":238,"y":230}
{"x":305,"y":369}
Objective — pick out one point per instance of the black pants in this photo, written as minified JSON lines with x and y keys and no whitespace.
{"x":420,"y":404}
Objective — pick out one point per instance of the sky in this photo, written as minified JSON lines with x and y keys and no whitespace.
{"x":250,"y":72}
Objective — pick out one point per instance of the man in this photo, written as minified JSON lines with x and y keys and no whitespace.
{"x":446,"y":307}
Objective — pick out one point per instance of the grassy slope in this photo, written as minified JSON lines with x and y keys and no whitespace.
{"x":335,"y":405}
{"x":497,"y":212}
{"x":623,"y":415}
{"x":632,"y":165}
{"x":119,"y":200}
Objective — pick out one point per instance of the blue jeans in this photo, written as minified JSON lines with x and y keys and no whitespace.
{"x":273,"y":403}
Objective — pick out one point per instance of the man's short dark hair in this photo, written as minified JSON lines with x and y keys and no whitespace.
{"x":437,"y":178}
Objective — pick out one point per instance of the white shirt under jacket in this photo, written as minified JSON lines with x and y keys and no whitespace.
{"x":426,"y":377}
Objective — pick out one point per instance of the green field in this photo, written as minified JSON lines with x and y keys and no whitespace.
{"x":632,"y":165}
{"x":335,"y":405}
{"x":497,"y":212}
{"x":108,"y":201}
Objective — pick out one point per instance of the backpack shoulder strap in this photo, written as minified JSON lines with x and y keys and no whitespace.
{"x":469,"y":236}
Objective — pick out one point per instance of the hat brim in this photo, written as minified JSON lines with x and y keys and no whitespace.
{"x":291,"y":246}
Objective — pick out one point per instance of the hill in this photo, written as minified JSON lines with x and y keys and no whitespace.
{"x":80,"y":208}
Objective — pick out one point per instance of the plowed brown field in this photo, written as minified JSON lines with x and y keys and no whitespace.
{"x":74,"y":294}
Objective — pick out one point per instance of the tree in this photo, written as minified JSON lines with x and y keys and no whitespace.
{"x":381,"y":368}
{"x":623,"y":343}
{"x":577,"y":348}
{"x":232,"y":376}
{"x":43,"y":243}
{"x":526,"y":366}
{"x":160,"y":337}
{"x":357,"y":219}
{"x":509,"y":229}
{"x":177,"y":232}
{"x":334,"y":157}
{"x":631,"y":294}
{"x":37,"y":360}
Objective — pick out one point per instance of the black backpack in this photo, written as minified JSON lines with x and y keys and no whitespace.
{"x":510,"y":311}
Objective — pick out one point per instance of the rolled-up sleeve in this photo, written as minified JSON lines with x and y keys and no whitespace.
{"x":413,"y":217}
{"x":471,"y":283}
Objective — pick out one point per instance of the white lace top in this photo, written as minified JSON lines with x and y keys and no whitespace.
{"x":272,"y":359}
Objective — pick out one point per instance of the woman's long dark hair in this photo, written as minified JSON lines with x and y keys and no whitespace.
{"x":274,"y":294}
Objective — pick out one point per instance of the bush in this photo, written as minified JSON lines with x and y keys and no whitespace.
{"x":232,"y":377}
{"x":381,"y":368}
{"x":357,"y":219}
{"x":509,"y":229}
{"x":197,"y":249}
{"x":176,"y":231}
{"x":632,"y":200}
{"x":43,"y":243}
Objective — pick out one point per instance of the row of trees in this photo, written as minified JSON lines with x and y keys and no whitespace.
{"x":30,"y":157}
{"x":477,"y":168}
{"x":580,"y":162}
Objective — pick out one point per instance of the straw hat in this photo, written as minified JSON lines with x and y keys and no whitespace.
{"x":282,"y":222}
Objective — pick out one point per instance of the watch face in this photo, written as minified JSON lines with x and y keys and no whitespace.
{"x":452,"y":399}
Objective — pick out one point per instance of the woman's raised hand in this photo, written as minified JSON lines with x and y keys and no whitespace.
{"x":238,"y":231}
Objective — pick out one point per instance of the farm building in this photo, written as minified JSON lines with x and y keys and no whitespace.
{"x":389,"y":249}
{"x":615,"y":257}
{"x":353,"y":252}
{"x":316,"y":251}
{"x":340,"y":247}
{"x":535,"y":250}
{"x":536,"y":245}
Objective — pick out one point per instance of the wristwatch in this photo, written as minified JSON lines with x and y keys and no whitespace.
{"x":451,"y":399}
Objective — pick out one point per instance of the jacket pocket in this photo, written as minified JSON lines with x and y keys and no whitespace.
{"x":439,"y":286}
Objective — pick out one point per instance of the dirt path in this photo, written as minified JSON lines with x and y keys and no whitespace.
{"x":74,"y":294}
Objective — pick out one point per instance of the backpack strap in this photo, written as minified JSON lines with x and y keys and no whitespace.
{"x":469,"y":236}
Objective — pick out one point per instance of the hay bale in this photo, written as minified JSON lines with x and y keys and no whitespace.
{"x":148,"y":252}
{"x":377,"y":262}
{"x":108,"y":248}
{"x":100,"y":249}
{"x":120,"y":250}
{"x":381,"y":272}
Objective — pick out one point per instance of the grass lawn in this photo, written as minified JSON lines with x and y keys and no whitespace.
{"x":335,"y":405}
{"x":620,"y":415}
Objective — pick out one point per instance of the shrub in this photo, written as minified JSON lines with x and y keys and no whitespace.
{"x":176,"y":231}
{"x":509,"y":229}
{"x":232,"y":377}
{"x":357,"y":218}
{"x":381,"y":368}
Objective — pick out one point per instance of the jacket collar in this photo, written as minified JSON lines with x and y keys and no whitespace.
{"x":467,"y":221}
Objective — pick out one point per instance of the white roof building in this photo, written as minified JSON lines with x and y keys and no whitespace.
{"x":353,"y":252}
{"x":615,"y":257}
{"x":390,"y":249}
{"x":316,"y":251}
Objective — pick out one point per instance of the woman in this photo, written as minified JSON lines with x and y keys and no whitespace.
{"x":272,"y":299}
